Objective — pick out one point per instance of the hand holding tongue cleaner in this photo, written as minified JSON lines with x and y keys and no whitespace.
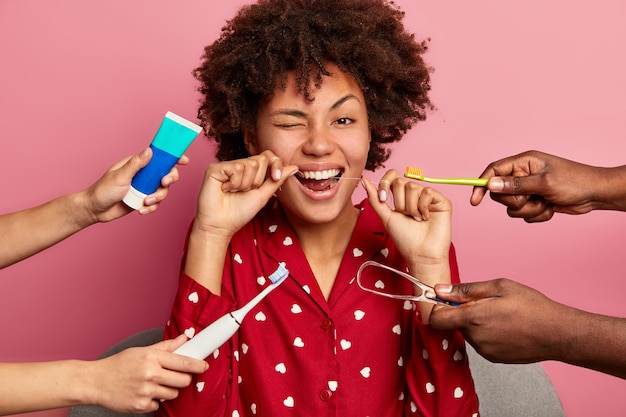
{"x":222,"y":329}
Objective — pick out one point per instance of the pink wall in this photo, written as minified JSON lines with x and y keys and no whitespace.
{"x":83,"y":84}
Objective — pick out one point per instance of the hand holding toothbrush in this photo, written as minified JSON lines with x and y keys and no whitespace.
{"x":534,"y":185}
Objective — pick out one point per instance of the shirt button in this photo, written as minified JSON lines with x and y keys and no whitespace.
{"x":325,"y":394}
{"x":326,"y":323}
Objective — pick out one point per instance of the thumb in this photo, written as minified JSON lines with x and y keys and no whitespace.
{"x":171,"y":345}
{"x":530,"y":184}
{"x":136,"y":162}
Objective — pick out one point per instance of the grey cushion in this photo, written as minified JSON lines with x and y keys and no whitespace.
{"x":513,"y":390}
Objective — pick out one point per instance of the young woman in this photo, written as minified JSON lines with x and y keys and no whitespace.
{"x":302,"y":97}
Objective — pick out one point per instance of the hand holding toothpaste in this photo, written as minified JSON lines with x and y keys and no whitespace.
{"x":104,"y":198}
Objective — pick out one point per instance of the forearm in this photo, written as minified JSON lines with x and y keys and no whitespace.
{"x":593,"y":341}
{"x":26,"y":387}
{"x":204,"y":261}
{"x":27,"y":232}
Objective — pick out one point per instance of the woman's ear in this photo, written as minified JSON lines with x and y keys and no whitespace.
{"x":249,"y":140}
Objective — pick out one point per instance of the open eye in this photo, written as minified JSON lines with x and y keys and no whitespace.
{"x":344,"y":121}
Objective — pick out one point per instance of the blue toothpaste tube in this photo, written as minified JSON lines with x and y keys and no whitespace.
{"x":170,"y":143}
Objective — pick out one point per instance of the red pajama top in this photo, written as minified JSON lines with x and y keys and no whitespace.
{"x":298,"y":354}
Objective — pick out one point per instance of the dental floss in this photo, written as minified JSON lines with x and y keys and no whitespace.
{"x":169,"y":143}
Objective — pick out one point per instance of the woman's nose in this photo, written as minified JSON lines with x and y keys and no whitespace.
{"x":319,"y":142}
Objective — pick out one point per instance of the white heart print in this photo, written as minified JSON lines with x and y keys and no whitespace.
{"x":200,"y":386}
{"x":273,"y":228}
{"x":298,"y":342}
{"x":260,"y":316}
{"x":357,"y":252}
{"x":345,"y":344}
{"x":253,"y":408}
{"x":193,"y":297}
{"x":244,"y":348}
{"x":444,"y":344}
{"x":379,"y":284}
{"x":332,"y":385}
{"x":397,"y":329}
{"x":384,"y":252}
{"x":296,"y":309}
{"x":237,"y":258}
{"x":358,"y":315}
{"x":457,"y":356}
{"x":366,"y":372}
{"x":281,"y":368}
{"x":260,"y":281}
{"x":289,"y":402}
{"x":190,"y":332}
{"x":287,"y":241}
{"x":458,"y":392}
{"x":430,"y":388}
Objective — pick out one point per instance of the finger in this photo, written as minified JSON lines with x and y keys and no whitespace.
{"x":177,"y":362}
{"x":171,"y":379}
{"x":478,"y":193}
{"x":447,"y":318}
{"x":406,"y":198}
{"x":467,"y":291}
{"x":275,"y":167}
{"x":530,"y":184}
{"x":184,"y":160}
{"x":514,"y":202}
{"x":380,"y":207}
{"x":170,"y":178}
{"x":136,"y":162}
{"x":534,"y":208}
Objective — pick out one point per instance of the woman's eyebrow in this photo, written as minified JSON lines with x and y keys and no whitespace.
{"x":302,"y":114}
{"x":289,"y":112}
{"x":342,"y":100}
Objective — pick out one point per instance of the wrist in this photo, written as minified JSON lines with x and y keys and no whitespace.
{"x":431,"y":271}
{"x":80,"y":389}
{"x":81,"y":210}
{"x":611,"y":189}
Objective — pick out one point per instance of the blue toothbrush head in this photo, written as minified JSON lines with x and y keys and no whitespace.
{"x":279,"y":275}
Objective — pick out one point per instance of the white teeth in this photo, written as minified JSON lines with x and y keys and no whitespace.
{"x":320,"y":175}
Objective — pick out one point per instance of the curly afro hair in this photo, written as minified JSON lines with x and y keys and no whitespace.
{"x":266,"y":40}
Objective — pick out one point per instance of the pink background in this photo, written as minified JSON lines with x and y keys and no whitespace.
{"x":83,"y":84}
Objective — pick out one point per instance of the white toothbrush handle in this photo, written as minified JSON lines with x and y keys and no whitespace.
{"x":209,"y":339}
{"x":218,"y":332}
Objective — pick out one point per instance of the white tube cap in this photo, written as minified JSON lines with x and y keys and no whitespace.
{"x":134,"y":198}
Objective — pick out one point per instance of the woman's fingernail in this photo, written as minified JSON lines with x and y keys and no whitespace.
{"x":382,"y":195}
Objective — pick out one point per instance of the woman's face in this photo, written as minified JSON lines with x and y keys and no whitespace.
{"x":327,"y":138}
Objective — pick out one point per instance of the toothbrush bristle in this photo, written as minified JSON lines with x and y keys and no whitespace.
{"x":279,"y":274}
{"x":417,"y":172}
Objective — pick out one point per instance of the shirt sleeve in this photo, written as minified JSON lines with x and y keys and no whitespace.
{"x":195,"y":307}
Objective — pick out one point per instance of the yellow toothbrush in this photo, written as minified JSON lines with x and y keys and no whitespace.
{"x":416,"y":174}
